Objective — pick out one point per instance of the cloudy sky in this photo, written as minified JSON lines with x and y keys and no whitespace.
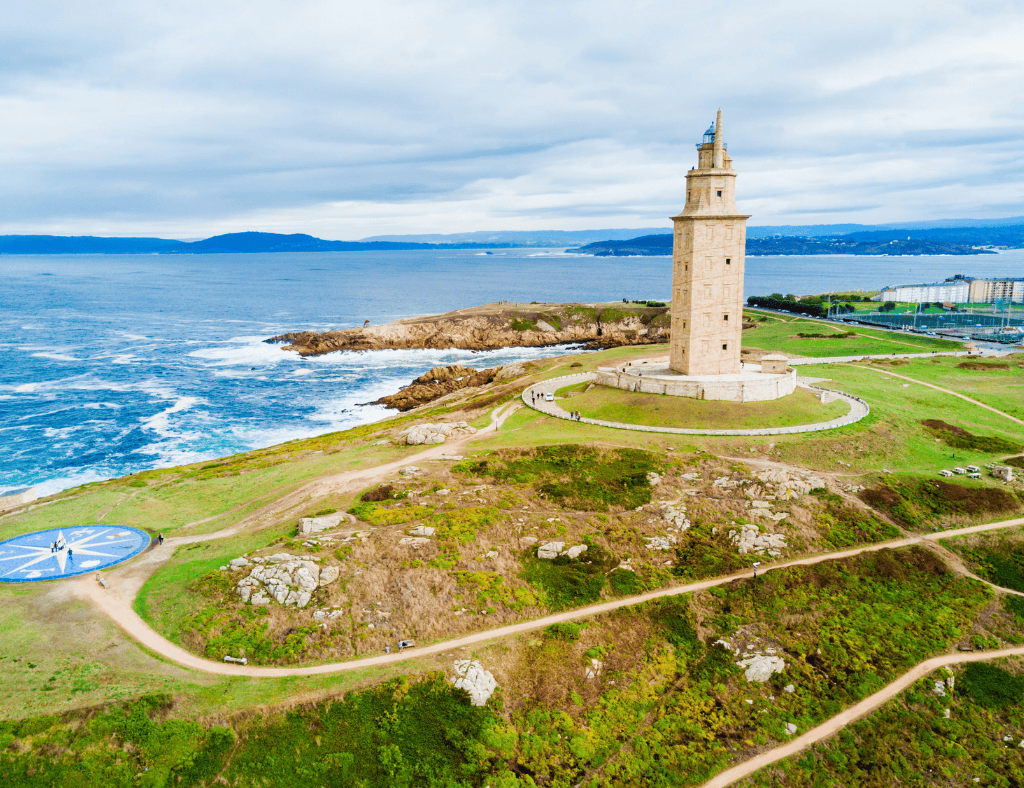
{"x":346,"y":119}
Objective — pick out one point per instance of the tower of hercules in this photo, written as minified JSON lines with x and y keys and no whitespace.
{"x":707,"y":266}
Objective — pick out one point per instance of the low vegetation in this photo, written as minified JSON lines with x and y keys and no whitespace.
{"x":959,"y":438}
{"x":917,"y":502}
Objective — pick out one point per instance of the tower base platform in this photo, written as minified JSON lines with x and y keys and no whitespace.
{"x":655,"y":377}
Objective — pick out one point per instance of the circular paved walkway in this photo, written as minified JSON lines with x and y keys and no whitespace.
{"x":534,"y":398}
{"x":66,"y":552}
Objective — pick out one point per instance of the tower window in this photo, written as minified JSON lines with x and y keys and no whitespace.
{"x":725,"y":346}
{"x":725,"y":317}
{"x":728,"y":261}
{"x":719,"y":192}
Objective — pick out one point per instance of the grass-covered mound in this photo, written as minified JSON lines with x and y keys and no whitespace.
{"x":656,"y":410}
{"x":916,"y":501}
{"x":959,"y":438}
{"x":577,"y":477}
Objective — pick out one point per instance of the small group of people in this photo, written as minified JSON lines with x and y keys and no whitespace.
{"x":59,"y":545}
{"x":574,"y":415}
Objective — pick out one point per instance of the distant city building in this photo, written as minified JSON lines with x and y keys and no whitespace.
{"x":707,"y":266}
{"x":958,"y":289}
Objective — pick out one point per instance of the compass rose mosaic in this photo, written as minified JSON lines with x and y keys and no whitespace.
{"x":66,"y":552}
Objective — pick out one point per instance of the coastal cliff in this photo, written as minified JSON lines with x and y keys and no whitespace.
{"x":496,"y":326}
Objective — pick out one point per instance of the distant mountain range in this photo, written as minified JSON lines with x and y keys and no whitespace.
{"x":954,"y":236}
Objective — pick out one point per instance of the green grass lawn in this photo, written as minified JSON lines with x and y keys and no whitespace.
{"x":783,"y":335}
{"x":657,"y":410}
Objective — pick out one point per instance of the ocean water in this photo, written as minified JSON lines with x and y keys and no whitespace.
{"x":114,"y":364}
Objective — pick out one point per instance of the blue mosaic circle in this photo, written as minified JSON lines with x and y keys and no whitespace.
{"x":66,"y":552}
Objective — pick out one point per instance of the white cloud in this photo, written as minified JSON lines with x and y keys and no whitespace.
{"x":345,"y":120}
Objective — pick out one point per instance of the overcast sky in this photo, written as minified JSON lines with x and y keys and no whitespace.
{"x":346,"y":119}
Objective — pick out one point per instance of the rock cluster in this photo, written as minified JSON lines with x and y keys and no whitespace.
{"x":666,"y":542}
{"x":285,"y":578}
{"x":421,"y":434}
{"x":315,"y":525}
{"x":789,"y":485}
{"x":761,"y":667}
{"x":471,"y":676}
{"x":675,"y":513}
{"x":749,"y":539}
{"x":437,"y":383}
{"x":551,"y":550}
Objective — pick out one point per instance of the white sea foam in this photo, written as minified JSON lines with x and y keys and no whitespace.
{"x":56,"y":356}
{"x":160,"y":422}
{"x":248,"y":351}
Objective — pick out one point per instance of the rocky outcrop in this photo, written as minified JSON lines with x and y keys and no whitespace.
{"x":494,"y":327}
{"x":749,"y":539}
{"x":285,"y":578}
{"x":471,"y":676}
{"x":551,"y":550}
{"x":428,"y":434}
{"x":761,"y":667}
{"x":437,"y":383}
{"x":316,"y":525}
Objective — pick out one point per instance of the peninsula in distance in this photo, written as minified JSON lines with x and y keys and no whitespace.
{"x":955,"y":237}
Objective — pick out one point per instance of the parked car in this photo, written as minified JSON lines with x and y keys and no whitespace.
{"x":549,"y":397}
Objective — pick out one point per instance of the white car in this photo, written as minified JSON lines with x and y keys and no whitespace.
{"x":549,"y":397}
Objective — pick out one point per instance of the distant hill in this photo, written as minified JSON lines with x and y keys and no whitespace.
{"x":531,"y":238}
{"x":897,"y":241}
{"x":956,"y":236}
{"x":232,"y":243}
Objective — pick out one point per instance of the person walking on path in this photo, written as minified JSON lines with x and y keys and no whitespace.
{"x":160,"y":539}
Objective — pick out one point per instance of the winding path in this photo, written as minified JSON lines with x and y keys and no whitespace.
{"x":116,"y":602}
{"x":533,"y":397}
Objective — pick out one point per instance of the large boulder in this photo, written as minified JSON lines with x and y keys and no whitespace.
{"x":426,"y":434}
{"x":470,"y":676}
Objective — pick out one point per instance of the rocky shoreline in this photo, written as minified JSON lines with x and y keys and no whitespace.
{"x":496,"y":326}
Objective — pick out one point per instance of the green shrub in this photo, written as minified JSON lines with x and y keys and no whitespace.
{"x":563,"y":631}
{"x":992,"y":687}
{"x":568,"y":582}
{"x":625,"y":582}
{"x":462,"y":525}
{"x":577,"y":477}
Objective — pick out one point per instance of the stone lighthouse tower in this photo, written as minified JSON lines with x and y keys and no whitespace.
{"x":707,"y":266}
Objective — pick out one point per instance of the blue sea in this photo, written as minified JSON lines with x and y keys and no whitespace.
{"x":114,"y":364}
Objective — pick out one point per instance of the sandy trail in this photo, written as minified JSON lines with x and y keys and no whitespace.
{"x":116,"y":602}
{"x":944,"y":391}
